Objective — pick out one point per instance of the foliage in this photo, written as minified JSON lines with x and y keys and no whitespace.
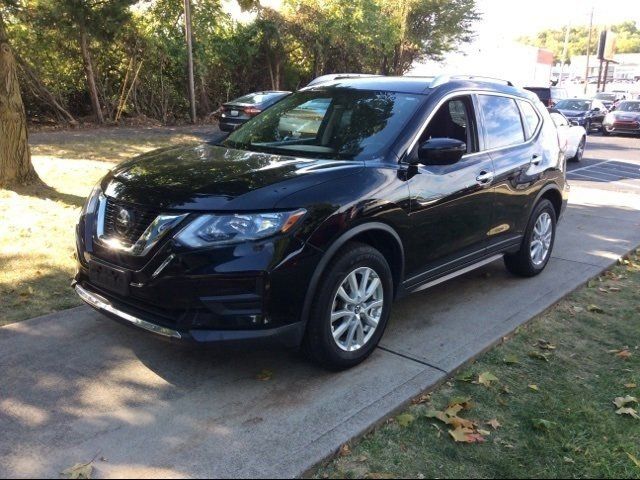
{"x":138,"y":46}
{"x":628,"y":40}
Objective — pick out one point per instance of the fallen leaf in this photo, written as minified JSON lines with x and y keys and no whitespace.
{"x":634,"y":459}
{"x":265,"y":375}
{"x":345,"y":450}
{"x":464,"y":402}
{"x":539,"y":356}
{"x":484,"y":433}
{"x":569,"y":460}
{"x":460,"y":434}
{"x":453,"y":410}
{"x":541,"y":424}
{"x":487,"y":378}
{"x":595,"y":309}
{"x":380,"y":476}
{"x":466,"y":377}
{"x":405,"y":419}
{"x":79,"y":470}
{"x":424,"y":398}
{"x":628,"y":411}
{"x":624,"y":354}
{"x":624,"y":401}
{"x":534,"y":388}
{"x":544,"y":345}
{"x":630,"y":385}
{"x":494,"y":423}
{"x":511,"y":360}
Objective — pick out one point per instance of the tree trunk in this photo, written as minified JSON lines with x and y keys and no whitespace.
{"x":91,"y":79}
{"x":15,"y":157}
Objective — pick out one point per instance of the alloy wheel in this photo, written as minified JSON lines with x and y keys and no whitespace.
{"x":541,"y":239}
{"x":357,"y":309}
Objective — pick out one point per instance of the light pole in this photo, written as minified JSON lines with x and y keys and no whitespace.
{"x":586,"y":75}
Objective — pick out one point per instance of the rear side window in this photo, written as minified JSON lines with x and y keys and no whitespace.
{"x":531,"y":118}
{"x":502,"y":121}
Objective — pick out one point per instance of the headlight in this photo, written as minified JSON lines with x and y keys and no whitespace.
{"x":208,"y":230}
{"x":92,"y":200}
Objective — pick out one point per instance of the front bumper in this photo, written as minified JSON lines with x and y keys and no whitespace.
{"x":630,"y":127}
{"x":287,"y":336}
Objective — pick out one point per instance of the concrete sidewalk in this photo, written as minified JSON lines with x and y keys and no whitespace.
{"x":77,"y":386}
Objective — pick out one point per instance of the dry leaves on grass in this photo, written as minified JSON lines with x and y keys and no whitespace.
{"x":595,"y":309}
{"x":487,"y":379}
{"x":624,"y":353}
{"x":463,"y":430}
{"x":623,"y":404}
{"x":544,"y":345}
{"x":635,"y":461}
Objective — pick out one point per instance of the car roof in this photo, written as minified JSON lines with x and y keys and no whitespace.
{"x":421,"y":85}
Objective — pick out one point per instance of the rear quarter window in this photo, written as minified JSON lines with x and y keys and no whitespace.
{"x":502,"y":122}
{"x":531,"y":118}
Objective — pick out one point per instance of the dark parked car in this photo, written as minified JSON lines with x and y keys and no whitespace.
{"x":238,"y":111}
{"x":549,"y":96}
{"x":584,"y":112}
{"x":608,"y":99}
{"x":624,"y":119}
{"x":303,"y":232}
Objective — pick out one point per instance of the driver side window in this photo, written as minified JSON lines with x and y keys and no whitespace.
{"x":454,"y":119}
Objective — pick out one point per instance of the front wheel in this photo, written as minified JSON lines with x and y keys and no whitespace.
{"x":537,"y":245}
{"x":352,"y":308}
{"x":587,"y":126}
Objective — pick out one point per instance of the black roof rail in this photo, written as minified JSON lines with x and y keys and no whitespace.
{"x":447,"y":78}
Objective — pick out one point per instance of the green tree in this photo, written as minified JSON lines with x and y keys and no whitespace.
{"x":86,"y":21}
{"x":628,"y":40}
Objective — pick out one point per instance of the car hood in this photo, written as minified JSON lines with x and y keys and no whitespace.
{"x":209,"y":177}
{"x":626,"y":116}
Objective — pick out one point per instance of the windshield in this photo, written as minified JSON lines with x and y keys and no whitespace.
{"x":576,"y":105}
{"x":333,"y":123}
{"x":609,"y":97}
{"x":629,"y":107}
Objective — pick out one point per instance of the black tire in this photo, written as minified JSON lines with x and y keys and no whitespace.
{"x":580,"y":151}
{"x":587,"y":126}
{"x":521,"y":263}
{"x":319,"y":344}
{"x":605,"y":132}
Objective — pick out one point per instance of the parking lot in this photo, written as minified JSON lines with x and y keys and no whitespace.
{"x":78,"y":387}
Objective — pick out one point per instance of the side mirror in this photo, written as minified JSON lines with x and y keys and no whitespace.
{"x":441,"y":151}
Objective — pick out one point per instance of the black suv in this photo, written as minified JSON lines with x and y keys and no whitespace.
{"x":306,"y":223}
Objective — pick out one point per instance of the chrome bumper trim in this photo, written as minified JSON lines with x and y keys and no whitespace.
{"x":103,"y":304}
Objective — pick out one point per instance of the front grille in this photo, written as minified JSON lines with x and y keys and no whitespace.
{"x":141,"y":218}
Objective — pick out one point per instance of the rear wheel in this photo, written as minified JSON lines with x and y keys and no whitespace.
{"x":535,"y":252}
{"x":580,"y":150}
{"x":352,"y":308}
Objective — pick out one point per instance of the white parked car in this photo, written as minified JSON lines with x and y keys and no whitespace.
{"x":573,"y":138}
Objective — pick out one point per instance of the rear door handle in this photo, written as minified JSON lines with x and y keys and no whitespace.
{"x":484,"y":178}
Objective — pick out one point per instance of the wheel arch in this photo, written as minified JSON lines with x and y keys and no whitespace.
{"x":376,"y":234}
{"x":552,"y":193}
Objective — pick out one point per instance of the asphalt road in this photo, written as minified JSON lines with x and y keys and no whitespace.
{"x":76,"y":386}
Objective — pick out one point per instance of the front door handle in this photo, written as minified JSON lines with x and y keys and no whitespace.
{"x":484,"y":178}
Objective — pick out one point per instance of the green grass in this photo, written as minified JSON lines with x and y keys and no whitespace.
{"x":577,"y":386}
{"x":37,"y":239}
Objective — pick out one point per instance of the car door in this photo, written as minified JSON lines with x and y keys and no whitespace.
{"x":513,"y":151}
{"x":451,"y":205}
